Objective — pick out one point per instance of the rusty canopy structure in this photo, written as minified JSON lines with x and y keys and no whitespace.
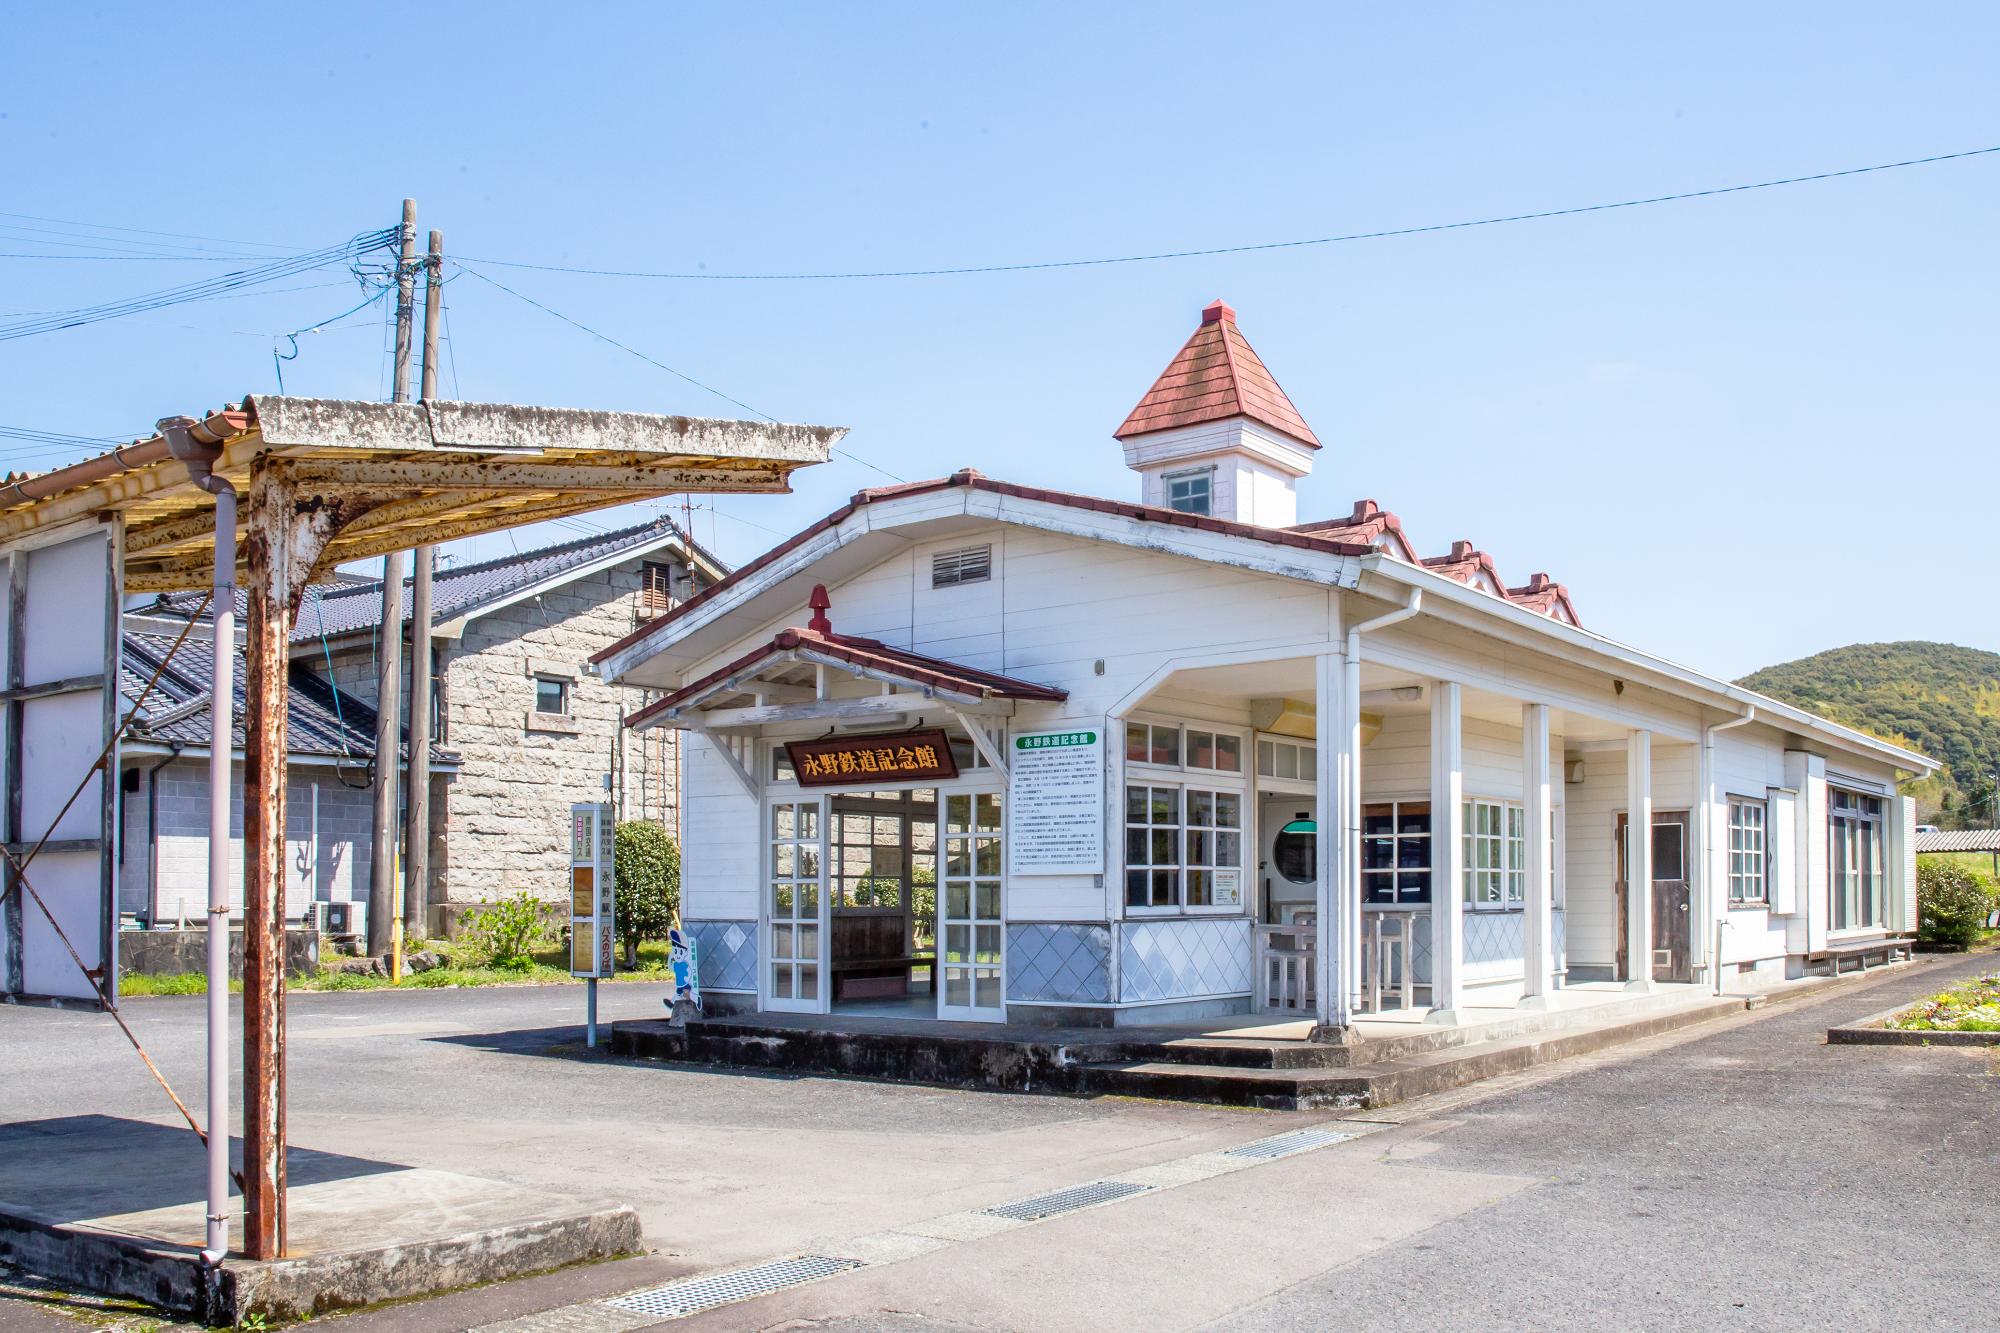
{"x":323,"y":482}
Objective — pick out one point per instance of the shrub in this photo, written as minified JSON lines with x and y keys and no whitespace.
{"x":506,"y":934}
{"x":646,"y":867}
{"x":1953,"y":902}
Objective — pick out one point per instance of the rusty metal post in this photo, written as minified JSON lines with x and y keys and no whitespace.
{"x":268,"y":553}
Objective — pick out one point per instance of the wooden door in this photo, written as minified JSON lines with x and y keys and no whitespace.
{"x":1673,"y":955}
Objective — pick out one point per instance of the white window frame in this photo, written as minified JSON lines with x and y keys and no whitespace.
{"x":1205,"y":475}
{"x":1395,"y":870}
{"x":1508,"y":843}
{"x":1749,"y":864}
{"x":1304,"y":754}
{"x":1187,"y":779}
{"x":1872,"y":892}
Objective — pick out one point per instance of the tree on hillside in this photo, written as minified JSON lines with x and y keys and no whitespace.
{"x":1939,"y":698}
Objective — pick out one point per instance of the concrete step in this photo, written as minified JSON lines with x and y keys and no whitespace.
{"x":1383,"y":1082}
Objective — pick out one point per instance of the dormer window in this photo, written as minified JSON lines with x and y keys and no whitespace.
{"x":1192,"y":491}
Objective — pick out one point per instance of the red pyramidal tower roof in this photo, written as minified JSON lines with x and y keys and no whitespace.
{"x":1216,"y":375}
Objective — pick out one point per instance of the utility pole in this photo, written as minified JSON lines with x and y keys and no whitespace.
{"x":382,"y":920}
{"x":417,"y":853}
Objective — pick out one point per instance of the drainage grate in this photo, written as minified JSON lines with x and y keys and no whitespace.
{"x":1067,"y":1200}
{"x":695,"y":1294}
{"x":1284,"y":1145}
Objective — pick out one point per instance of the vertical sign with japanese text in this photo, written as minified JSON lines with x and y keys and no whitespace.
{"x":593,"y":892}
{"x":1055,"y":804}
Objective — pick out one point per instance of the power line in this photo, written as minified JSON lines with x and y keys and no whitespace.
{"x":1382,"y":234}
{"x":271,"y":271}
{"x":633,"y":351}
{"x":143,"y":231}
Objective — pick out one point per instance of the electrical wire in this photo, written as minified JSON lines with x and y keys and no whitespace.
{"x":652,"y":361}
{"x":1382,"y":234}
{"x":143,"y":231}
{"x":272,"y":271}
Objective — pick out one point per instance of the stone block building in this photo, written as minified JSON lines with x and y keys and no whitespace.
{"x":521,"y":730}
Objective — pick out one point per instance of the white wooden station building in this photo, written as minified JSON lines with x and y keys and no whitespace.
{"x":967,"y":749}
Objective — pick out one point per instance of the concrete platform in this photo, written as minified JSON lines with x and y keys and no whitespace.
{"x":1249,"y":1061}
{"x":115,"y":1206}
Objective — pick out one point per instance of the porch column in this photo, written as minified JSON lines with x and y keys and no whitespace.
{"x":1447,"y":853}
{"x":1639,"y":861}
{"x":1538,"y":925}
{"x":1338,"y":734}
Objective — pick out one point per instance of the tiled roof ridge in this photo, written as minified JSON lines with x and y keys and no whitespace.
{"x":616,"y":536}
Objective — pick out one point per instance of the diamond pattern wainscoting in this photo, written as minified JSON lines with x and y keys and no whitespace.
{"x":1059,"y":963}
{"x":1182,"y":959}
{"x":1494,"y":945}
{"x":726,"y":952}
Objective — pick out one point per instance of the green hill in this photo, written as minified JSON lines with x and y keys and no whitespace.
{"x":1935,"y":697}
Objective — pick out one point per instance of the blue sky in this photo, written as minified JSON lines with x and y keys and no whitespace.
{"x":1742,"y":430}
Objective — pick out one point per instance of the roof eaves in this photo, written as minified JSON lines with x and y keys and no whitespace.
{"x":1589,"y":640}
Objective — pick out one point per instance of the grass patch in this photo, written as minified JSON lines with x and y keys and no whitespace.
{"x":1971,"y":1006}
{"x":545,"y":968}
{"x":167,"y":983}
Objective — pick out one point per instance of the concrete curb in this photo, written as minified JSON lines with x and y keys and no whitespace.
{"x":173,"y":1277}
{"x":1870,"y":1031}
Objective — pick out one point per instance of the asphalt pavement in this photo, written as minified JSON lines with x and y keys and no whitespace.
{"x":1740,"y":1175}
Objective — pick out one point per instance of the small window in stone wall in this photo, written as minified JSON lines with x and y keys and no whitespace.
{"x":551,"y":696}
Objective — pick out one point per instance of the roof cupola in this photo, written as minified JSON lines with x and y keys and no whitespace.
{"x":1216,"y":435}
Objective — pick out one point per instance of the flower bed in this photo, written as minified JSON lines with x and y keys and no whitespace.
{"x":1971,"y":1006}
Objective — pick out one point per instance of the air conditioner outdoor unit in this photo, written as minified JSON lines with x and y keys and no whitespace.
{"x":342,"y":918}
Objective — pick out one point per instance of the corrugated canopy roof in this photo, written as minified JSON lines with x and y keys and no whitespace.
{"x":1960,"y":840}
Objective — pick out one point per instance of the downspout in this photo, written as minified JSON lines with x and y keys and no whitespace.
{"x":1349,"y":792}
{"x":1705,"y":828}
{"x":199,"y":455}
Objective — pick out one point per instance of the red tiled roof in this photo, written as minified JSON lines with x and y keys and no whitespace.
{"x":971,"y":479}
{"x":1369,"y":523}
{"x":1545,"y":595}
{"x":1465,"y":563}
{"x":868,"y":654}
{"x":1215,"y":376}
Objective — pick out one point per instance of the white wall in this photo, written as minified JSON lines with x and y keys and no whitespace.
{"x":329,"y":866}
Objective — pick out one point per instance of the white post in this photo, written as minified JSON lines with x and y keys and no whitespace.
{"x":1538,"y":927}
{"x":221,"y":755}
{"x":1447,"y":853}
{"x":1333,"y":1011}
{"x":1639,"y":860}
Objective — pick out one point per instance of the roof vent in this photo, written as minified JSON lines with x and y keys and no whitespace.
{"x":967,"y":564}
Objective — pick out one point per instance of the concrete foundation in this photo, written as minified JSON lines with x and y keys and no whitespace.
{"x":115,"y":1206}
{"x":164,"y":952}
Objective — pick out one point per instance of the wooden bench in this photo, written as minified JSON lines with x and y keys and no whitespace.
{"x":1888,"y":946}
{"x":848,"y":972}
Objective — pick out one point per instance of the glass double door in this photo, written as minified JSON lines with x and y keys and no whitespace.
{"x":970,"y":975}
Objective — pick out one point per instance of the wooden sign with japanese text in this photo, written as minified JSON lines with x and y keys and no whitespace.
{"x":848,"y":761}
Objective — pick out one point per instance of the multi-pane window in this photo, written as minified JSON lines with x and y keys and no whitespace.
{"x":1212,"y":848}
{"x":794,"y":884}
{"x":1496,"y":854}
{"x":1746,"y":852}
{"x":1183,"y":847}
{"x":1191,"y":492}
{"x":1152,"y":846}
{"x":1855,"y":828}
{"x":1287,"y":759}
{"x":1171,"y":744}
{"x":1396,"y":852}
